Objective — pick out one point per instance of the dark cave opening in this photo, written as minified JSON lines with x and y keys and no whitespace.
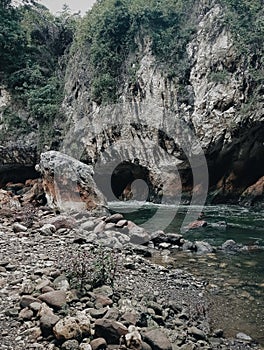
{"x":17,"y":173}
{"x":129,"y":181}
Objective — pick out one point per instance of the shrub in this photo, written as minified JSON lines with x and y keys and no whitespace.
{"x":94,"y":267}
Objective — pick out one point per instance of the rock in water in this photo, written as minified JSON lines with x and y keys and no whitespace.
{"x":68,"y":183}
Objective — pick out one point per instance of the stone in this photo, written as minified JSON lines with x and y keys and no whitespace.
{"x":197,"y":224}
{"x":98,"y":313}
{"x":110,"y":330}
{"x":129,"y":318}
{"x":8,"y":201}
{"x":104,"y":290}
{"x":85,"y":346}
{"x":138,"y":235}
{"x":68,"y":183}
{"x":70,"y":345}
{"x":26,"y":300}
{"x":17,"y":227}
{"x":26,"y":314}
{"x":231,"y":246}
{"x":132,"y":340}
{"x":243,"y":336}
{"x":72,"y":327}
{"x":99,"y":228}
{"x":35,"y":306}
{"x":121,"y":223}
{"x":114,"y":218}
{"x":63,"y":221}
{"x":203,"y":247}
{"x":54,"y":299}
{"x":88,"y":225}
{"x":47,"y":230}
{"x":196,"y":333}
{"x":103,"y":300}
{"x":157,"y":340}
{"x":61,"y":283}
{"x":47,"y":322}
{"x":98,"y":344}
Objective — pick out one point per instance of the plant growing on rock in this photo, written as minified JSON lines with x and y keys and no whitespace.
{"x":90,"y":268}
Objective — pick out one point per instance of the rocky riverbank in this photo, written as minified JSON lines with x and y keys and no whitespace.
{"x":147,"y":307}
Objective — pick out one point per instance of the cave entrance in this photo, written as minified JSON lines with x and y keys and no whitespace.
{"x":16,"y":173}
{"x":131,"y":181}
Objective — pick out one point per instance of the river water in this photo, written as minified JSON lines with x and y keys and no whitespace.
{"x":235,"y":282}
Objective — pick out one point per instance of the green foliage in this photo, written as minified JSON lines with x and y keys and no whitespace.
{"x":219,"y":76}
{"x":90,"y":268}
{"x":245,"y":18}
{"x":113,"y":28}
{"x":13,"y":122}
{"x":32,"y":45}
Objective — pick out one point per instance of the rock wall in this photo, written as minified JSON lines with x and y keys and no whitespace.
{"x":178,"y":133}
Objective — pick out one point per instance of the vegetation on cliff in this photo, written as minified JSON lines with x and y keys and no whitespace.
{"x":34,"y":47}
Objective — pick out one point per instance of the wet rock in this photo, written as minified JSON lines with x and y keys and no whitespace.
{"x":231,"y":246}
{"x":70,"y":345}
{"x":138,"y":235}
{"x":197,"y":224}
{"x":110,"y":330}
{"x":54,"y":299}
{"x":188,"y":245}
{"x":203,"y":247}
{"x":157,"y":340}
{"x":98,"y":344}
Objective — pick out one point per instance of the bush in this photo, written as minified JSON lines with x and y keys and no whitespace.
{"x":94,"y":267}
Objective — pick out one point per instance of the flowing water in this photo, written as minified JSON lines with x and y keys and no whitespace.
{"x":235,"y":282}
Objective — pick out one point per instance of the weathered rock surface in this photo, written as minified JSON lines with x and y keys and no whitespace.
{"x":69,"y":184}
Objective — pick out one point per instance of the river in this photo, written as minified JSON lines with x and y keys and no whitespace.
{"x":235,"y":282}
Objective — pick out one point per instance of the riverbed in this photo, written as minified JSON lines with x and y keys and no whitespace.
{"x":234,"y":282}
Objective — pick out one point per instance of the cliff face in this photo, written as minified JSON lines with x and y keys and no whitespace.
{"x":167,"y":133}
{"x":203,"y":131}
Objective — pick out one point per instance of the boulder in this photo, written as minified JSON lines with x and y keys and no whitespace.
{"x":98,"y":344}
{"x":253,"y":194}
{"x":72,"y":327}
{"x":54,"y":299}
{"x":68,"y":183}
{"x":203,"y":247}
{"x":230,"y":246}
{"x":110,"y":330}
{"x":157,"y":340}
{"x":197,"y":333}
{"x":138,"y":235}
{"x":8,"y":201}
{"x":70,"y":345}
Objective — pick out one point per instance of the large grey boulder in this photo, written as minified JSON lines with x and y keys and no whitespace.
{"x":69,"y":184}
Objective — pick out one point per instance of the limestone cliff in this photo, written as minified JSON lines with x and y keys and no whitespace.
{"x":163,"y":128}
{"x":176,"y":132}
